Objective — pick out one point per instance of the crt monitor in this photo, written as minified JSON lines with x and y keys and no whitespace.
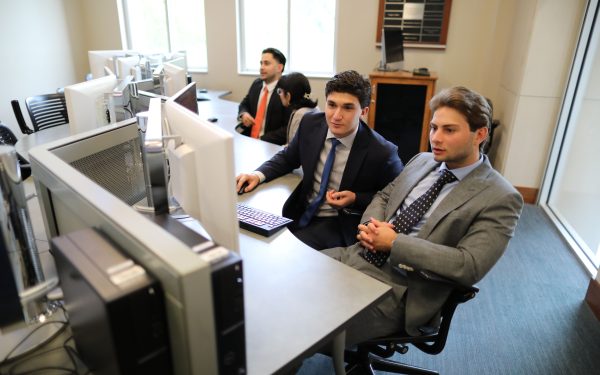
{"x":392,"y":49}
{"x":202,"y":173}
{"x":175,"y":78}
{"x":86,"y":104}
{"x":187,"y":97}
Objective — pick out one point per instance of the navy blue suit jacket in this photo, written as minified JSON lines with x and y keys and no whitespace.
{"x":277,"y":115}
{"x":372,"y":163}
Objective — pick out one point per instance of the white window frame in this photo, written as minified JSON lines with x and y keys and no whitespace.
{"x":126,"y":39}
{"x":252,"y":68}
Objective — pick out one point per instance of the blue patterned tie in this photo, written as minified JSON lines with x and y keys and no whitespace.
{"x":314,"y":205}
{"x":409,"y":217}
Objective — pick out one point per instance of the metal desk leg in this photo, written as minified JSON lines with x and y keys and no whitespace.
{"x":339,"y":344}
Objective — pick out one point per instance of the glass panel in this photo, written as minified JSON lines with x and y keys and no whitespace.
{"x":575,"y":193}
{"x":140,"y":14}
{"x":263,"y":24}
{"x":188,"y":31}
{"x":312,"y":31}
{"x":147,"y":28}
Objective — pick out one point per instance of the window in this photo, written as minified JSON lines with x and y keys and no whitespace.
{"x":167,"y":26}
{"x":304,"y":30}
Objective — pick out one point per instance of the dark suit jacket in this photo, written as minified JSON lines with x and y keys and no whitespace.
{"x":277,"y":115}
{"x":462,"y":239}
{"x":372,"y":163}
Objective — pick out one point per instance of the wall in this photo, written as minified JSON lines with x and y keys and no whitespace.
{"x":500,"y":48}
{"x":41,"y":42}
{"x":532,"y":85}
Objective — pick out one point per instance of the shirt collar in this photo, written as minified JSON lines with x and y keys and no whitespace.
{"x":462,"y":172}
{"x":348,"y":140}
{"x":270,"y":86}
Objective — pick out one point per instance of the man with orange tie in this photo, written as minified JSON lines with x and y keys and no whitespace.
{"x":261,"y":113}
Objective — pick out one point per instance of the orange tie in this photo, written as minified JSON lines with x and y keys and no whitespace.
{"x":260,"y":114}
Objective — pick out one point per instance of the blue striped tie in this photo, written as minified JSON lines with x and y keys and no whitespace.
{"x":314,"y":205}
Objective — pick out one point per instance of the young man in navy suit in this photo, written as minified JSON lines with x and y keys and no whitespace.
{"x":336,"y":183}
{"x":275,"y":117}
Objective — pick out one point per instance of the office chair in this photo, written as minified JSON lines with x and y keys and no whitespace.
{"x":19,"y":116}
{"x":47,"y":111}
{"x":374,"y":354}
{"x":7,"y":137}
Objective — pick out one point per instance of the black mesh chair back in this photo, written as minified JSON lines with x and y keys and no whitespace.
{"x":47,"y":111}
{"x":7,"y":137}
{"x":19,"y":116}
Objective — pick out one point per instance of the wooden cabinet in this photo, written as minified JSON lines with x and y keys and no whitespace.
{"x":399,"y":109}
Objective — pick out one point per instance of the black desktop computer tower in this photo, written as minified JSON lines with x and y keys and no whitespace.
{"x":116,"y":309}
{"x":228,"y":298}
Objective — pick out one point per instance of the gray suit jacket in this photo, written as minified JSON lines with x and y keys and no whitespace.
{"x":461,"y":240}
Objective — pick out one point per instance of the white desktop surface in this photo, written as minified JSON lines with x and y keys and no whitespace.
{"x":39,"y":138}
{"x":296,"y":299}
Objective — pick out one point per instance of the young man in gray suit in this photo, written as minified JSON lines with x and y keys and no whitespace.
{"x":461,"y":235}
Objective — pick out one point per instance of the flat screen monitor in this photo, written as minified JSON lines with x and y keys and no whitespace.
{"x":129,"y":66}
{"x":70,"y":200}
{"x":187,"y":97}
{"x":175,"y":78}
{"x":105,"y":58}
{"x":86,"y":104}
{"x":202,"y":173}
{"x":392,"y":49}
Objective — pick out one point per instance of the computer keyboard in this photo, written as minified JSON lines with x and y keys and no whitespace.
{"x":260,"y":222}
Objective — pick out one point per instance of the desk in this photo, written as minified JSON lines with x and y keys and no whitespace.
{"x":29,"y":141}
{"x":296,"y":299}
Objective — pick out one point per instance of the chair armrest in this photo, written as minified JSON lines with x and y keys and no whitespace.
{"x":352,"y":211}
{"x":432,"y":276}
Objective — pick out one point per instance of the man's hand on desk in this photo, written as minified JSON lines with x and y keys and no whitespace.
{"x":340,"y":199}
{"x":247,"y":119}
{"x":251,"y":179}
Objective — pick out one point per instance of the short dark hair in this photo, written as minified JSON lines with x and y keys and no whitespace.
{"x":297,"y":85}
{"x":352,"y":83}
{"x":277,"y":55}
{"x":474,"y":106}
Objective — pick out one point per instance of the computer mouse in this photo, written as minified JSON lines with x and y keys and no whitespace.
{"x":244,"y":186}
{"x":213,"y":119}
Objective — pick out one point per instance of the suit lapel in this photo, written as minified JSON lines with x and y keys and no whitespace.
{"x":414,"y":172}
{"x":472,"y":185}
{"x":357,"y":154}
{"x":313,"y":145}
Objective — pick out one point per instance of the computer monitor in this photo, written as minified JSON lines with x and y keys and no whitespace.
{"x":187,"y":97}
{"x":129,"y":66}
{"x":86,"y":104}
{"x":392,"y":49}
{"x":104,"y":58}
{"x":175,"y":78}
{"x":70,"y":200}
{"x":202,"y":173}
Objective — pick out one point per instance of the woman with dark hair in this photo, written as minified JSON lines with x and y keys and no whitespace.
{"x":294,"y":91}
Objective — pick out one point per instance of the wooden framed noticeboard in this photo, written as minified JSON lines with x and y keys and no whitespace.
{"x":424,"y":23}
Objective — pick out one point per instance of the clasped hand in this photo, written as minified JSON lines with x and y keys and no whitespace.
{"x":376,"y":235}
{"x":339,"y":199}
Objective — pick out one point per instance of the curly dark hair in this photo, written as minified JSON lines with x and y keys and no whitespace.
{"x":352,"y":83}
